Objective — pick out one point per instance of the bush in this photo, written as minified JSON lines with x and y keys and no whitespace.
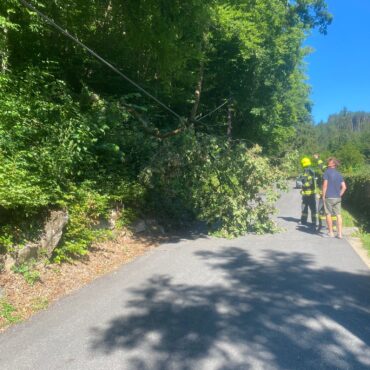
{"x":357,"y":196}
{"x":19,"y":186}
{"x":86,"y":208}
{"x":43,"y":139}
{"x":350,"y":156}
{"x":55,"y":154}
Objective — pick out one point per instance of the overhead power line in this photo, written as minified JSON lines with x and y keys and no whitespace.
{"x":109,"y":65}
{"x":215,"y":110}
{"x":92,"y":52}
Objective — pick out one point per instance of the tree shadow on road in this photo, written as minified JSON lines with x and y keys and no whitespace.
{"x":290,"y":219}
{"x":277,"y":312}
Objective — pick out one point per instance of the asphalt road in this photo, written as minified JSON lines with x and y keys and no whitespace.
{"x":289,"y":301}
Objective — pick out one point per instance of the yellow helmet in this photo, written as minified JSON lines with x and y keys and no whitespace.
{"x":305,"y":162}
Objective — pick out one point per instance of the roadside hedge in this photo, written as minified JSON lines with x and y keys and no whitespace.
{"x":357,"y":196}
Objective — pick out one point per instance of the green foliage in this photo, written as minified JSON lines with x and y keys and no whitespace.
{"x":7,"y":8}
{"x":28,"y":271}
{"x":46,"y":146}
{"x":43,"y":139}
{"x":357,"y":196}
{"x":350,"y":220}
{"x":365,"y":238}
{"x":289,"y":164}
{"x":227,"y":185}
{"x":6,"y":240}
{"x":67,"y":139}
{"x":19,"y":227}
{"x":306,"y":140}
{"x":237,"y":195}
{"x":350,"y":157}
{"x":280,"y":138}
{"x":346,"y":134}
{"x":86,"y":209}
{"x":7,"y":312}
{"x":256,"y":59}
{"x":18,"y":187}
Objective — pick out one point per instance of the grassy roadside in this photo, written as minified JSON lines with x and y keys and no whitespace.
{"x":365,"y":237}
{"x":350,"y":220}
{"x":8,"y":314}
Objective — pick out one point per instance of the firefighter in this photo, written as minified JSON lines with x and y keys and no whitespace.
{"x":309,"y":191}
{"x":319,"y":168}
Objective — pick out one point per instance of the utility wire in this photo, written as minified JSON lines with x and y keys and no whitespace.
{"x":93,"y":53}
{"x":215,"y":110}
{"x":66,"y":33}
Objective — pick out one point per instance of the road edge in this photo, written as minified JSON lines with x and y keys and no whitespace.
{"x":357,"y":246}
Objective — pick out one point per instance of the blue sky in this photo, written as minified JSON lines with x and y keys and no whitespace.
{"x":339,"y":68}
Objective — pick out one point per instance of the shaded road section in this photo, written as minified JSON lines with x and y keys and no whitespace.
{"x":288,"y":301}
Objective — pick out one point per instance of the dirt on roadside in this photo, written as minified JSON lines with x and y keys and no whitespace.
{"x":57,"y":280}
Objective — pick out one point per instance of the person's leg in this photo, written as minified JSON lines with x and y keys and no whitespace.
{"x":322,"y":215}
{"x":329,"y":222}
{"x":329,"y":212}
{"x":304,"y":213}
{"x":339,"y":225}
{"x":313,"y":209}
{"x":334,"y":221}
{"x":318,"y":204}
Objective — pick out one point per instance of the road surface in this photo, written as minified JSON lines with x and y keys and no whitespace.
{"x":289,"y":301}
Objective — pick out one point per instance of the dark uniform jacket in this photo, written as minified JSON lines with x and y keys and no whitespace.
{"x":309,"y":186}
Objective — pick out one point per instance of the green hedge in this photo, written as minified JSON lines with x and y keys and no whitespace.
{"x":357,"y":196}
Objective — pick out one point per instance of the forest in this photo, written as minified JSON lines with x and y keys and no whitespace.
{"x":347,"y":135}
{"x":200,"y":114}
